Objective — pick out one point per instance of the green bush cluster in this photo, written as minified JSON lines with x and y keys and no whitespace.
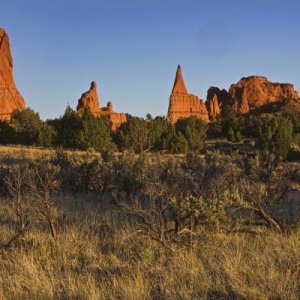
{"x":88,"y":131}
{"x":158,"y":134}
{"x":274,"y":134}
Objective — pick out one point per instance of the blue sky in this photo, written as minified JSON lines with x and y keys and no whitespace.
{"x":132,"y":48}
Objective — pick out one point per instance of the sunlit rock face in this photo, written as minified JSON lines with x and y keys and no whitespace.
{"x":253,"y":92}
{"x":182,"y":104}
{"x":253,"y":95}
{"x":90,"y":99}
{"x":216,"y":99}
{"x":10,"y":97}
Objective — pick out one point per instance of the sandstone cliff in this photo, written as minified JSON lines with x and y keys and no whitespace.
{"x":182,"y":104}
{"x":10,"y":98}
{"x":254,"y":94}
{"x":255,"y":91}
{"x":90,"y":99}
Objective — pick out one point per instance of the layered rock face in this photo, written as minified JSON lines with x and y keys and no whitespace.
{"x":252,"y":94}
{"x":90,"y":99}
{"x":184,"y":105}
{"x":255,"y":91}
{"x":10,"y":97}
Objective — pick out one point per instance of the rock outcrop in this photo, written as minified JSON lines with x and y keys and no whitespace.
{"x":254,"y":94}
{"x":182,"y":104}
{"x":216,"y":99}
{"x":90,"y":99}
{"x":10,"y":97}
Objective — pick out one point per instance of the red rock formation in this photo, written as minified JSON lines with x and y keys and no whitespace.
{"x":90,"y":99}
{"x":253,"y":92}
{"x":10,"y":98}
{"x":216,"y":99}
{"x":182,"y":104}
{"x":214,"y":107}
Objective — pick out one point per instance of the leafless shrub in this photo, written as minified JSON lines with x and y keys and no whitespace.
{"x":16,"y":185}
{"x":31,"y":186}
{"x":42,"y":181}
{"x":190,"y":196}
{"x":169,"y":206}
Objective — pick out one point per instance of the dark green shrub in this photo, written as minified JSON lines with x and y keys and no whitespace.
{"x":133,"y":135}
{"x":178,"y":144}
{"x":194,"y":131}
{"x":27,"y":124}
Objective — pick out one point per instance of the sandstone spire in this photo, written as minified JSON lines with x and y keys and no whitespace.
{"x":184,"y":105}
{"x":10,"y":98}
{"x":179,"y":86}
{"x":90,"y":99}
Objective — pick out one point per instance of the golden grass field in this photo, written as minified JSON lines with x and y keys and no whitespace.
{"x":98,"y":254}
{"x":17,"y":152}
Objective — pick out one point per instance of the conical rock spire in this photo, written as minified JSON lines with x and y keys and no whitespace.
{"x":184,"y":105}
{"x":179,"y":86}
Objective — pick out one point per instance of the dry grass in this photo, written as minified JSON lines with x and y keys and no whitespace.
{"x":18,"y":152}
{"x":15,"y":153}
{"x":97,"y":255}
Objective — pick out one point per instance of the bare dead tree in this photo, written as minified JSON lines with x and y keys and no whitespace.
{"x":41,"y":183}
{"x":15,"y":184}
{"x":148,"y":222}
{"x":257,"y":196}
{"x":31,"y":187}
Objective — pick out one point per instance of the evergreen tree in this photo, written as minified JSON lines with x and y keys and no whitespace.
{"x":26,"y":124}
{"x":133,"y":134}
{"x":282,"y":139}
{"x":265,"y":135}
{"x":231,"y":122}
{"x":67,"y":128}
{"x":275,"y":136}
{"x":46,"y":136}
{"x":178,"y":144}
{"x":7,"y":133}
{"x":94,"y":132}
{"x":215,"y":128}
{"x":251,"y":126}
{"x":194,"y":131}
{"x":158,"y":131}
{"x":162,"y":142}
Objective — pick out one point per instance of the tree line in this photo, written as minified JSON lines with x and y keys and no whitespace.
{"x":273,"y":134}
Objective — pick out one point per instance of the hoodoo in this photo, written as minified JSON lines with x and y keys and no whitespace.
{"x":90,"y":99}
{"x":216,"y":99}
{"x":10,"y":97}
{"x":182,"y":104}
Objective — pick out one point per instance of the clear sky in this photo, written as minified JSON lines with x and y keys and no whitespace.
{"x":131,"y":48}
